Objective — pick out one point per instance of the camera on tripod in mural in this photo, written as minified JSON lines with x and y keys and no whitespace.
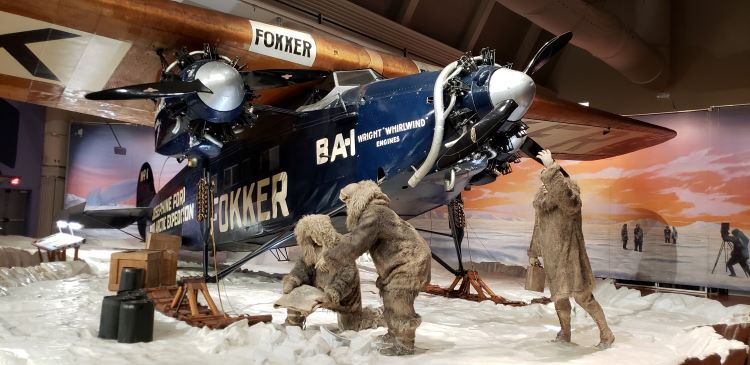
{"x":734,"y":249}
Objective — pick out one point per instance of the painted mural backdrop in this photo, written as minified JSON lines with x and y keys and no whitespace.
{"x":104,"y":179}
{"x":691,"y":184}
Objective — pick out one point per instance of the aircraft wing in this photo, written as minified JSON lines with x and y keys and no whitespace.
{"x":56,"y":53}
{"x":575,"y":132}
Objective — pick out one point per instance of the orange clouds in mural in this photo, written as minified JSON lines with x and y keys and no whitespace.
{"x":702,"y":175}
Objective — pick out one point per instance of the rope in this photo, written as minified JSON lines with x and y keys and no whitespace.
{"x":216,"y":267}
{"x":468,"y":245}
{"x":481,"y":242}
{"x":162,"y":171}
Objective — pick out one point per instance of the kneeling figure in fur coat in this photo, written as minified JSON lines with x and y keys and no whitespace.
{"x":401,"y":257}
{"x":315,"y":235}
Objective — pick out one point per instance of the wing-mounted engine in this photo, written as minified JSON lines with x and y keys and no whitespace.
{"x":203,"y":100}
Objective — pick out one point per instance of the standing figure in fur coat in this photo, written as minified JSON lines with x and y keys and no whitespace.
{"x":401,"y":257}
{"x":558,"y":238}
{"x":315,"y":235}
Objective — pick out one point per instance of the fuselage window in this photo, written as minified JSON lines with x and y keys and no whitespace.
{"x":246,"y":170}
{"x":231,"y":176}
{"x":274,"y":159}
{"x":354,"y":78}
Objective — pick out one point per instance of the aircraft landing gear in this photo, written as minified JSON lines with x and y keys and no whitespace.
{"x":465,"y":279}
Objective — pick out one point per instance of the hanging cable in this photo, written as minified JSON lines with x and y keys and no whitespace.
{"x":481,"y":242}
{"x":158,"y":186}
{"x":119,"y":150}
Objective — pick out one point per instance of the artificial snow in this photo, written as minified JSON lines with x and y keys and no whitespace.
{"x":50,"y":315}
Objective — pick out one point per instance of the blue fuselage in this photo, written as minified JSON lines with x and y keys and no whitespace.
{"x":292,"y":164}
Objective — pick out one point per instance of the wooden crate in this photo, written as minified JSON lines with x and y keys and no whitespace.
{"x":168,"y":268}
{"x":149,"y":260}
{"x":170,"y":247}
{"x":163,"y":241}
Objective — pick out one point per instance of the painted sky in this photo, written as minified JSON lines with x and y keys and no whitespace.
{"x":96,"y":173}
{"x":703,"y":174}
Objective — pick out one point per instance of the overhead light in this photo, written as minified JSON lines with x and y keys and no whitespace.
{"x":15,"y":181}
{"x":584,"y":103}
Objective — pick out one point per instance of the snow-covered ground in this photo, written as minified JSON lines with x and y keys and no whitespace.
{"x":54,"y":319}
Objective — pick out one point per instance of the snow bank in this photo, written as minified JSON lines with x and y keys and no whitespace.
{"x":709,"y":311}
{"x":20,"y":276}
{"x":702,"y":342}
{"x":12,"y":257}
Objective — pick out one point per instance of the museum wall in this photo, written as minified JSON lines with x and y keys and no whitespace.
{"x":28,"y":157}
{"x":693,"y":182}
{"x":102,"y":178}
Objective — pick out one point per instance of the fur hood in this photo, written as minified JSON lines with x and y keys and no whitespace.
{"x":358,"y":196}
{"x":315,"y":234}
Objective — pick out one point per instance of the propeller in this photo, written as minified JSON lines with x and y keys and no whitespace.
{"x":258,"y":80}
{"x":548,"y":50}
{"x":162,"y":89}
{"x":271,"y":79}
{"x":530,"y":148}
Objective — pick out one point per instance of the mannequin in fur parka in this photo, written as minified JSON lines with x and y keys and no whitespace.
{"x":315,"y":235}
{"x":558,"y":238}
{"x":401,"y":257}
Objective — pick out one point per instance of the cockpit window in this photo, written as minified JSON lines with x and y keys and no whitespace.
{"x":342,"y":81}
{"x":354,"y":78}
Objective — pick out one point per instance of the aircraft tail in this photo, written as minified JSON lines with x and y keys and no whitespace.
{"x":144,"y":194}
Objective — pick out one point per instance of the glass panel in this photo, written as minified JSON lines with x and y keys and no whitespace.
{"x":354,"y":78}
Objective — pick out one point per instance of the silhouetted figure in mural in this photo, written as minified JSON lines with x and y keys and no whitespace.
{"x":739,"y":251}
{"x":624,"y":234}
{"x":674,"y":235}
{"x":558,"y":239}
{"x":667,"y":234}
{"x":638,"y":238}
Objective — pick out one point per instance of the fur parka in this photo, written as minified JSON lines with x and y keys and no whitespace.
{"x":558,"y":235}
{"x":315,"y":235}
{"x":401,"y":256}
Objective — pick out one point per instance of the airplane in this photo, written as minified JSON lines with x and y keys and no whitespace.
{"x":268,"y":143}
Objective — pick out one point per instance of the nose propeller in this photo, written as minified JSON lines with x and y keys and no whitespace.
{"x":530,"y":147}
{"x":548,"y":50}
